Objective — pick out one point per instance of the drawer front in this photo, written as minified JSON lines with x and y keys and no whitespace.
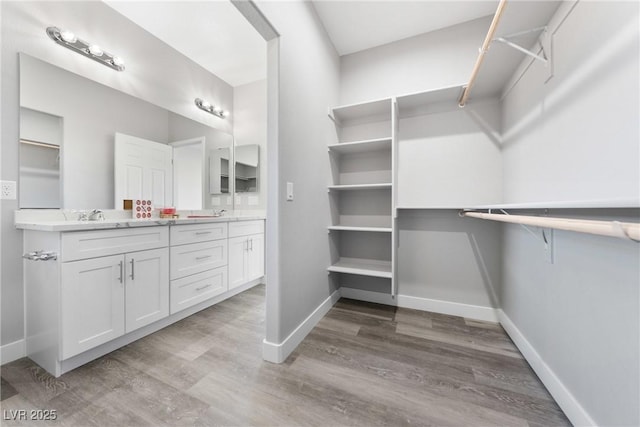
{"x":194,"y":233}
{"x":78,"y":245}
{"x":245,"y":228}
{"x":197,"y":257}
{"x":199,"y":287}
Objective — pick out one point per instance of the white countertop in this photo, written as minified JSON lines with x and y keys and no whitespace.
{"x":56,"y":220}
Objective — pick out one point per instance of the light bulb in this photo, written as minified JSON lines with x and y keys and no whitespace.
{"x":117,"y":61}
{"x":95,"y":50}
{"x":225,"y":114}
{"x":206,"y":105}
{"x":68,"y":36}
{"x":217,"y":110}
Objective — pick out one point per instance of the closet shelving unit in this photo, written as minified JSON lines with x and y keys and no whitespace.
{"x":362,"y":194}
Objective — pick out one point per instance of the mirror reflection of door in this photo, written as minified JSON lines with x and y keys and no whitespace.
{"x":40,"y":142}
{"x":219,"y":171}
{"x":188,"y":173}
{"x":247,"y":159}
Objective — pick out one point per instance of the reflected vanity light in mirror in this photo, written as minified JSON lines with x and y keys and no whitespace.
{"x":206,"y":106}
{"x":69,"y":40}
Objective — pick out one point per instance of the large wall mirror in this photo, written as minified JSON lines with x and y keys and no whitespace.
{"x":70,"y":127}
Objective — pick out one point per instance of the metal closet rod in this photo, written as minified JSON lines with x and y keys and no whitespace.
{"x":623,"y":230}
{"x":483,"y":51}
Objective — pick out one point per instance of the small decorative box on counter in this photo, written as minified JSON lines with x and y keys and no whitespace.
{"x":168,"y":213}
{"x":142,"y":209}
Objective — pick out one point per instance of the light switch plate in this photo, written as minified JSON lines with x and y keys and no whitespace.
{"x":289,"y":191}
{"x":8,"y":190}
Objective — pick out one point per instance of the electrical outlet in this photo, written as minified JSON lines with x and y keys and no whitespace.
{"x":7,"y":190}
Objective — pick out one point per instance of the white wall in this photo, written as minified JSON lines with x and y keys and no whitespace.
{"x":574,"y":138}
{"x":308,"y":84}
{"x":250,"y":127}
{"x":428,"y":61}
{"x":155,"y":73}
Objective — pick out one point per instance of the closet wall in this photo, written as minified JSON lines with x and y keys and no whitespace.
{"x":577,"y":137}
{"x":572,"y":138}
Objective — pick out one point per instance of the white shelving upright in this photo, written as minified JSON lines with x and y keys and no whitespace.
{"x":362,"y":194}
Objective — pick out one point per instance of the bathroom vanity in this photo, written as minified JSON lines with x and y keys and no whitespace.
{"x":92,"y":287}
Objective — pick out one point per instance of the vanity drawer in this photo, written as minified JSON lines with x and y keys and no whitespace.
{"x":197,"y":257}
{"x":191,"y":290}
{"x":194,"y":233}
{"x":92,"y":244}
{"x":245,"y":228}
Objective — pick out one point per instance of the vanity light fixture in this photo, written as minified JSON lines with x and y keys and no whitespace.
{"x":69,"y":40}
{"x":206,"y":106}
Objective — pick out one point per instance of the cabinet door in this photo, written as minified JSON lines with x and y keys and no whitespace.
{"x":255,"y":257}
{"x":92,"y":308}
{"x":237,"y":261}
{"x":147,"y":290}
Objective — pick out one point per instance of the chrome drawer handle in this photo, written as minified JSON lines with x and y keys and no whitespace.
{"x":40,"y":256}
{"x":204,"y":287}
{"x":132,"y":269}
{"x":203,"y":232}
{"x":203,"y":257}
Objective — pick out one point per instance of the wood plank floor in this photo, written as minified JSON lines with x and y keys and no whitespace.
{"x":364,"y":365}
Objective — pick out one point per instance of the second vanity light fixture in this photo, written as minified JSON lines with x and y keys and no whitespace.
{"x":69,"y":40}
{"x":205,"y":106}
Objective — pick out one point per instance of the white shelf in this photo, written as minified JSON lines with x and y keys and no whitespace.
{"x":362,"y":267}
{"x":364,"y":111}
{"x":368,"y":145}
{"x":349,"y":187}
{"x":558,"y":204}
{"x":429,"y":101}
{"x":370,"y":229}
{"x":567,"y":204}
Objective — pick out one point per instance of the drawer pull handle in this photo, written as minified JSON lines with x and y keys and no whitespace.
{"x":132,"y":269}
{"x":203,"y":232}
{"x":203,"y":257}
{"x":204,"y":287}
{"x":121,"y":278}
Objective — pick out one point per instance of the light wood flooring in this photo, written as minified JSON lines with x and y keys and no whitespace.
{"x":364,"y":364}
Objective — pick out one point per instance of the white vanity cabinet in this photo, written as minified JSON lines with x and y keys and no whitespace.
{"x":103,"y":285}
{"x":246,"y":252}
{"x":101,"y":288}
{"x":104,"y":297}
{"x":198,"y":263}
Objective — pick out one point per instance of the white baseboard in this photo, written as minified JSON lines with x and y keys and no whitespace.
{"x":12,"y":351}
{"x":476,"y":312}
{"x":368,"y":296}
{"x":571,"y":407}
{"x":277,"y":353}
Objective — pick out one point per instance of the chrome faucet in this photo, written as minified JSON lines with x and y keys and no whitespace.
{"x":219,"y":212}
{"x":93,"y":215}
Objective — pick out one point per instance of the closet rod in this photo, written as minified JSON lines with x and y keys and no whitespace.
{"x":483,"y":50}
{"x":623,"y":230}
